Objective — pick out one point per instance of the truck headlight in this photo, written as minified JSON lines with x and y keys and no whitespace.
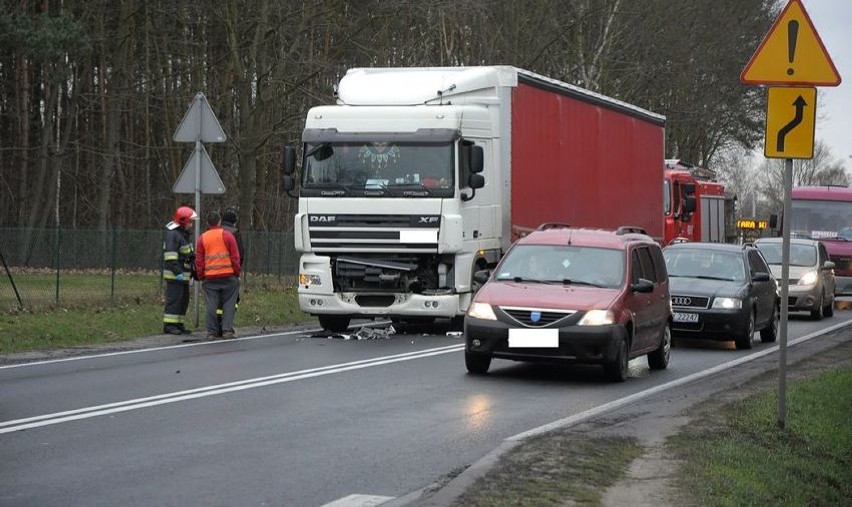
{"x":727,"y":303}
{"x":481,"y":311}
{"x":306,"y":279}
{"x":597,"y":318}
{"x":810,"y":278}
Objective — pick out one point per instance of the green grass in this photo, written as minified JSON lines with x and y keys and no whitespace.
{"x":553,"y":469}
{"x":263,"y":304}
{"x":77,"y":289}
{"x":738,"y":455}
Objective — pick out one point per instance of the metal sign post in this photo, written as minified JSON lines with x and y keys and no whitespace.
{"x":195,"y":283}
{"x":791,"y":55}
{"x":785,"y":291}
{"x":199,"y":175}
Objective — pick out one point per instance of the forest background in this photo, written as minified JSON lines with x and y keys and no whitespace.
{"x":91,"y":91}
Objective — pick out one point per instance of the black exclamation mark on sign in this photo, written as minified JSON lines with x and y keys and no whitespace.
{"x":792,"y":35}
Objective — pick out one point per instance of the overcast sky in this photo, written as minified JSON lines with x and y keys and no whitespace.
{"x":833,"y":22}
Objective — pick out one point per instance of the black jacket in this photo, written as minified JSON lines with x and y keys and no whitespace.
{"x":232,"y":228}
{"x":178,"y":253}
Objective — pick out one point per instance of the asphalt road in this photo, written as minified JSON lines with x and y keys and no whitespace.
{"x":287,"y":419}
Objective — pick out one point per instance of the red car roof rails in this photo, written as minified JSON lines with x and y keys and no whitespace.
{"x":553,"y":225}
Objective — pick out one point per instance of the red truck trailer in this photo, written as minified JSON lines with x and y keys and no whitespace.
{"x":583,"y":158}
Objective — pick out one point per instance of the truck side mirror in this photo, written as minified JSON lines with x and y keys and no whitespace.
{"x":477,"y":158}
{"x":773,"y":221}
{"x":689,"y":204}
{"x":289,"y":160}
{"x":474,"y":181}
{"x":289,"y":166}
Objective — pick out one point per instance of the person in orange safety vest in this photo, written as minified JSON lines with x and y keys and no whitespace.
{"x":217,"y":263}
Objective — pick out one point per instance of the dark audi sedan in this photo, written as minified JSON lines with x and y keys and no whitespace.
{"x":721,"y":292}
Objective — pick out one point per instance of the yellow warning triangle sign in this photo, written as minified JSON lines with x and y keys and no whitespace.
{"x":791,"y":53}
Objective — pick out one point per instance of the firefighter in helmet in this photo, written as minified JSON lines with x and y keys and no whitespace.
{"x":178,"y":267}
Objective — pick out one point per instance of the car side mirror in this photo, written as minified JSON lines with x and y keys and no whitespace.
{"x":643,"y":286}
{"x":828,"y":265}
{"x":761,"y":276}
{"x":482,"y":276}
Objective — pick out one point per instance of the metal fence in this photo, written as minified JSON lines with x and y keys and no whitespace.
{"x":78,"y":267}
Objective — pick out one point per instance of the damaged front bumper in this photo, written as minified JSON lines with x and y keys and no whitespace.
{"x":412,"y":305}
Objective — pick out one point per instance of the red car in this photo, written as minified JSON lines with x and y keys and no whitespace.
{"x":567,"y":295}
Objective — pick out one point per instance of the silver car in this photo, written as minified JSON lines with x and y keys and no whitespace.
{"x":812,"y":281}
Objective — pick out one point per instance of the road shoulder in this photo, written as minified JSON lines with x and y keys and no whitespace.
{"x":649,"y":479}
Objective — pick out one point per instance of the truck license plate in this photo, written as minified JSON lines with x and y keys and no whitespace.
{"x":534,"y":338}
{"x":685,"y":317}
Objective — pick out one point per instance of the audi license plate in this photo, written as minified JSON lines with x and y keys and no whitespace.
{"x":685,"y":317}
{"x":534,"y":338}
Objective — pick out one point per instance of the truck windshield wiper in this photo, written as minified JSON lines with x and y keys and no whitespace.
{"x":409,"y":186}
{"x":705,"y":277}
{"x":415,"y":184}
{"x":332,"y":186}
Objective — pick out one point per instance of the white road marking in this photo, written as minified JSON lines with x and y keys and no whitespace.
{"x":190,"y":394}
{"x":582,"y":416}
{"x":359,"y":501}
{"x":180,"y":346}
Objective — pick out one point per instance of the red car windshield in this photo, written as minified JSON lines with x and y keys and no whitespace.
{"x":580,"y":265}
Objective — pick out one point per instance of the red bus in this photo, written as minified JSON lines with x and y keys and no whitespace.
{"x":825,"y":214}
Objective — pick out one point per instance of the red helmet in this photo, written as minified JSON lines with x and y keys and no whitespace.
{"x":184,"y":215}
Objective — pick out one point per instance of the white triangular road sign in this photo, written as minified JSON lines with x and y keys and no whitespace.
{"x":199,"y":123}
{"x":211,"y":183}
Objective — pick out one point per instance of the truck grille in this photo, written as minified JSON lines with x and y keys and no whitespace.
{"x":689,"y":301}
{"x":374,"y":233}
{"x":545,"y":317}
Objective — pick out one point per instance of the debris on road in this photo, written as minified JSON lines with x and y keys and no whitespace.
{"x":454,"y":334}
{"x":370,"y":333}
{"x":364,"y":333}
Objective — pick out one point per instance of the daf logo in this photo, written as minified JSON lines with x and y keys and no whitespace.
{"x":322,"y":218}
{"x":681,"y":301}
{"x":428,"y":220}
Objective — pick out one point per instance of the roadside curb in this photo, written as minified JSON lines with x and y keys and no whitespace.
{"x":456,"y":487}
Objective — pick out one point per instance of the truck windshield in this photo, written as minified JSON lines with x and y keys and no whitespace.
{"x":823,"y":220}
{"x":379,"y":169}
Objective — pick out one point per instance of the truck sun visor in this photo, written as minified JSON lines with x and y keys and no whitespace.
{"x":332,"y":135}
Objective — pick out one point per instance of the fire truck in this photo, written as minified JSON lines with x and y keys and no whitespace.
{"x":695,"y":205}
